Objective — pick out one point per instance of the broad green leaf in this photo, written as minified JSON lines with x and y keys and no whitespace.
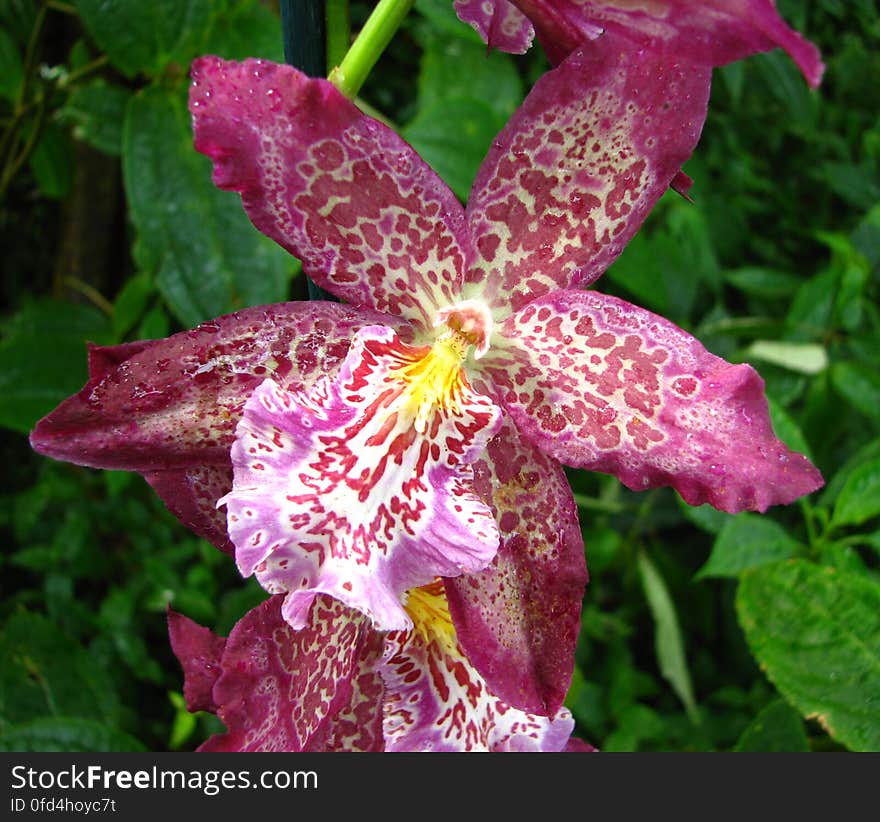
{"x":778,"y":727}
{"x":668,"y":642}
{"x":805,"y":358}
{"x":764,"y":282}
{"x":96,"y":112}
{"x":196,"y":240}
{"x":459,"y":68}
{"x":815,"y":631}
{"x":145,"y":38}
{"x":246,"y":29}
{"x":453,"y":136}
{"x":66,"y":734}
{"x":43,"y":671}
{"x":746,"y":541}
{"x":43,"y":358}
{"x":859,"y":499}
{"x":859,"y":385}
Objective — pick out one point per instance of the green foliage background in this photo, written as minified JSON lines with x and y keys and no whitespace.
{"x":701,"y":630}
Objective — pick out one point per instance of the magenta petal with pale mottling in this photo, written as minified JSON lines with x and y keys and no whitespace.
{"x":437,"y":701}
{"x":518,"y":620}
{"x":287,"y":690}
{"x":578,"y":167}
{"x":710,"y":32}
{"x":603,"y":385}
{"x":371,"y":221}
{"x":499,"y":22}
{"x":168,"y":408}
{"x":362,"y":487}
{"x":199,"y":651}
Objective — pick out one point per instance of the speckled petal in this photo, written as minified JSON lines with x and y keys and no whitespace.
{"x":362,"y":487}
{"x":518,"y":620}
{"x":499,"y":22}
{"x":711,"y":32}
{"x":436,"y":701}
{"x":603,"y":385}
{"x":372,"y":223}
{"x":168,"y":408}
{"x":286,"y":690}
{"x":578,"y":167}
{"x":199,"y":651}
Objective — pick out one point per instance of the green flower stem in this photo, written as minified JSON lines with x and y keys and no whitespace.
{"x":377,"y":32}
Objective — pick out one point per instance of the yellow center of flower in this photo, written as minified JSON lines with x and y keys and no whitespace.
{"x":433,"y":381}
{"x":428,"y":609}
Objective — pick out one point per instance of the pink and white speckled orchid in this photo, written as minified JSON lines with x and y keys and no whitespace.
{"x":418,"y":430}
{"x":338,"y":685}
{"x":706,"y":32}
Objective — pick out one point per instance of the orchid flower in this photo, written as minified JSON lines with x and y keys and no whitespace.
{"x":339,"y":685}
{"x":707,"y":32}
{"x":417,"y":430}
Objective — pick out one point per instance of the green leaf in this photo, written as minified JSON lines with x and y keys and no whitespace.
{"x":196,"y":240}
{"x":10,"y":67}
{"x":816,"y":633}
{"x":131,"y":302}
{"x":66,"y":734}
{"x":764,"y":282}
{"x":668,"y":642}
{"x":787,"y":429}
{"x":52,"y":162}
{"x":43,"y":358}
{"x":746,"y":541}
{"x":453,"y":136}
{"x":43,"y":671}
{"x":805,"y":358}
{"x":859,"y":499}
{"x":704,"y":517}
{"x":96,"y":113}
{"x":246,"y":29}
{"x":859,"y":385}
{"x":145,"y":38}
{"x":459,"y":68}
{"x":778,"y":727}
{"x":444,"y":21}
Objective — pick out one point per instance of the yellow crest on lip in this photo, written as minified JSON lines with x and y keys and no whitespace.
{"x":433,"y":381}
{"x":428,"y":609}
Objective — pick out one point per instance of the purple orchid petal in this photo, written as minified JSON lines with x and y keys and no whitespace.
{"x":168,"y":408}
{"x":518,"y":620}
{"x":372,"y":223}
{"x":603,"y":385}
{"x":286,"y":690}
{"x":500,"y":23}
{"x":199,"y":651}
{"x":578,"y":167}
{"x":711,"y":32}
{"x":436,"y":701}
{"x":362,"y":488}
